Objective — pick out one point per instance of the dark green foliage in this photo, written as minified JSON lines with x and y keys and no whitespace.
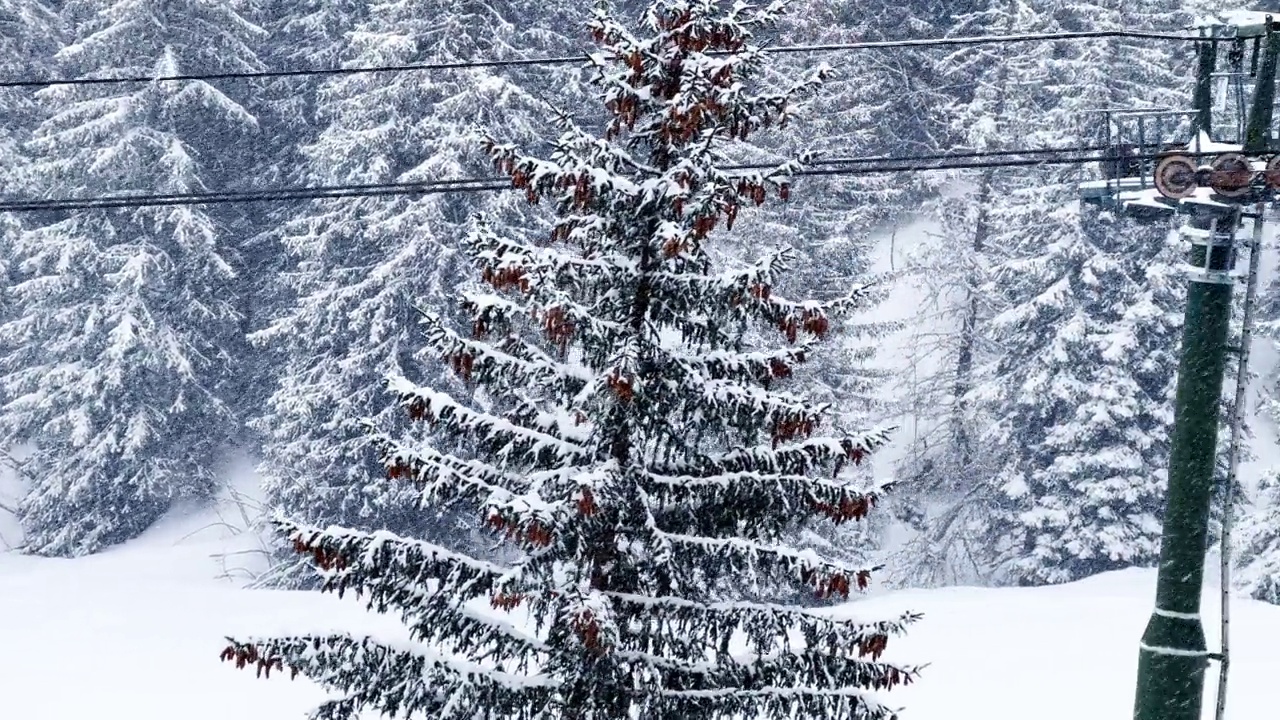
{"x":648,"y":465}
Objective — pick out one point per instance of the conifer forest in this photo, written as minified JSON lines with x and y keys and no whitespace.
{"x":621,"y":360}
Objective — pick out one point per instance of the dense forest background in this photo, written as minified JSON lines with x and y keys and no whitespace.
{"x":141,"y":348}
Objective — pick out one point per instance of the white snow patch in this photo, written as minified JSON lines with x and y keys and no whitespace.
{"x":136,"y":631}
{"x":998,"y":653}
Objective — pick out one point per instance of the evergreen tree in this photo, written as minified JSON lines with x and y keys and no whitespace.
{"x":643,"y":459}
{"x":1081,"y":313}
{"x":29,"y":33}
{"x":1257,"y":537}
{"x":301,"y":36}
{"x":873,"y":104}
{"x":1258,"y":542}
{"x":1086,"y":399}
{"x":304,"y":34}
{"x":1083,"y":394}
{"x":945,"y":462}
{"x":360,"y":268}
{"x":124,"y":332}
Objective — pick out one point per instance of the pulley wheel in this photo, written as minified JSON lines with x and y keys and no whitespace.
{"x":1231,"y":175}
{"x":1272,"y":173}
{"x":1175,"y":177}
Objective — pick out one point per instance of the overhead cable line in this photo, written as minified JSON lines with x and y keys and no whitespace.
{"x":943,"y":156}
{"x":912,"y":168}
{"x":572,"y":59}
{"x":324,"y":192}
{"x":826,"y":167}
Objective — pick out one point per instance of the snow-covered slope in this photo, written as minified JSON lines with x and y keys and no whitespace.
{"x":1062,"y":652}
{"x":136,"y":631}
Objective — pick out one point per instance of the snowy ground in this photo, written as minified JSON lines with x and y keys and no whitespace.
{"x":135,"y":632}
{"x":1064,"y":652}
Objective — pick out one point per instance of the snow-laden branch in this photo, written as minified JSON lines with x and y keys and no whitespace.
{"x":440,"y":407}
{"x":769,"y":495}
{"x":802,"y":457}
{"x":445,"y":476}
{"x":504,"y":362}
{"x":742,"y":550}
{"x":769,"y":621}
{"x":428,"y":684}
{"x":354,"y":559}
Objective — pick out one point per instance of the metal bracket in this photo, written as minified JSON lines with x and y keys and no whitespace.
{"x":1211,"y":241}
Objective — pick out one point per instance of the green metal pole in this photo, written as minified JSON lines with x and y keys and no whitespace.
{"x":1258,"y":133}
{"x":1202,"y":100}
{"x":1173,"y":656}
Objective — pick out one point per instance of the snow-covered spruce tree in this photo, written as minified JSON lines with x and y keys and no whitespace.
{"x":870,"y":105}
{"x":27,"y":43}
{"x":945,"y":466}
{"x":1257,"y":537}
{"x":1077,"y":318}
{"x":1083,"y":403}
{"x":359,"y":267}
{"x":1258,"y":542}
{"x":28,"y":40}
{"x":643,"y":461}
{"x":302,"y":34}
{"x":124,"y":332}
